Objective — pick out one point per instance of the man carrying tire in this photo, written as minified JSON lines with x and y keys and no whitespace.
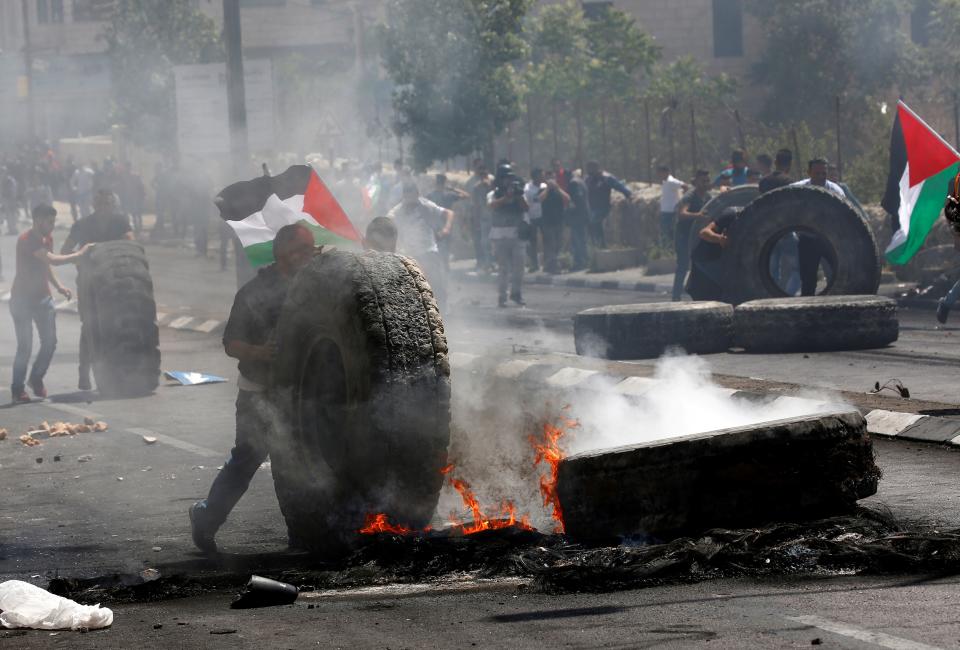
{"x":249,"y":337}
{"x":688,"y":210}
{"x":31,"y":302}
{"x":105,"y":223}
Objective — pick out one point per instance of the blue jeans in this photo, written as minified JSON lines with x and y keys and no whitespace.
{"x":250,"y":450}
{"x":952,"y":296}
{"x":25,"y":314}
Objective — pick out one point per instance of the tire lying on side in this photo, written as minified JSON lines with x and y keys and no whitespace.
{"x":363,"y":389}
{"x":120,"y":318}
{"x":646,"y":331}
{"x":818,"y":323}
{"x":851,"y":248}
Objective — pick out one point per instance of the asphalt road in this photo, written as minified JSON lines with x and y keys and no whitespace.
{"x":70,"y":518}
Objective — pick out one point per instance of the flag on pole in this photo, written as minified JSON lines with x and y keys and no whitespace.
{"x":257,"y":209}
{"x":922,"y":165}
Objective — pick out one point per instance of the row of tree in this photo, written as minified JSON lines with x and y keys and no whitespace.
{"x":553,"y":81}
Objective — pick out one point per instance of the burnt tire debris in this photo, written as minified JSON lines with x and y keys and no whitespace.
{"x":119,"y":315}
{"x":817,"y":324}
{"x":848,"y":242}
{"x":864,"y":542}
{"x":363,"y":383}
{"x":786,"y":470}
{"x":646,"y":331}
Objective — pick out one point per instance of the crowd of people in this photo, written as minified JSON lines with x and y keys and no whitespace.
{"x":795,"y":260}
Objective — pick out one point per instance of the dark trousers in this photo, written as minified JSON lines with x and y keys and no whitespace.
{"x":552,"y":234}
{"x":25,"y":316}
{"x":578,"y":244}
{"x":667,"y":226}
{"x":809,"y":252}
{"x":250,"y":450}
{"x":681,"y":246}
{"x":597,"y":236}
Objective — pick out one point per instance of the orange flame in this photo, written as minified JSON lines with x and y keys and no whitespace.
{"x":547,"y":450}
{"x":505,"y":518}
{"x":379,"y":523}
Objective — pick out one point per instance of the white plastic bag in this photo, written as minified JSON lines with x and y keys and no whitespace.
{"x":25,"y":605}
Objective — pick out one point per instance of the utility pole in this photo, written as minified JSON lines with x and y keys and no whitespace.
{"x":28,"y":68}
{"x":237,"y":118}
{"x":236,"y":98}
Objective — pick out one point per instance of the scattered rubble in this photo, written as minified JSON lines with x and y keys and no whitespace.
{"x":57,"y":430}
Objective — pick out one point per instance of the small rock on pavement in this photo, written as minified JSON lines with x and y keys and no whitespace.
{"x":223,"y":631}
{"x":157,"y":549}
{"x":85,"y":458}
{"x":157,"y":626}
{"x":119,"y":478}
{"x":39,"y":460}
{"x":816,"y":641}
{"x":149,"y":440}
{"x":56,"y":459}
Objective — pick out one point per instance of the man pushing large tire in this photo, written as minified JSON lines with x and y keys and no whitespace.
{"x":363,"y":384}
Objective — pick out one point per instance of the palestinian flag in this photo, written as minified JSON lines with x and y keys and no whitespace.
{"x":257,"y":209}
{"x":922,"y":165}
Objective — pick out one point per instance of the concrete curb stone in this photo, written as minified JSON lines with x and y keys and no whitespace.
{"x":573,"y":283}
{"x":553,"y":377}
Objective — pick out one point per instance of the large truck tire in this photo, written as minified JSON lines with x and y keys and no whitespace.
{"x":362,"y":384}
{"x":816,"y":324}
{"x":646,"y":331}
{"x":848,"y":243}
{"x":119,"y":317}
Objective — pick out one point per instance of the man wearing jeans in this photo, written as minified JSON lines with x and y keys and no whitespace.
{"x":31,"y":302}
{"x":249,"y":337}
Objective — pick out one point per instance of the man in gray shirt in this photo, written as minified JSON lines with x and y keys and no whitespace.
{"x":420,"y":222}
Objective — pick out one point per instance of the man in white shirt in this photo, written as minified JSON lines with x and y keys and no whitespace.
{"x":82,"y":185}
{"x":533,"y":193}
{"x":420,"y":222}
{"x":809,"y":247}
{"x":671,"y":189}
{"x":817,"y":175}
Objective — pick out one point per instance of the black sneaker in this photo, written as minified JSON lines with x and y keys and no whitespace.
{"x":202,"y":538}
{"x":942,"y":311}
{"x":84,"y":383}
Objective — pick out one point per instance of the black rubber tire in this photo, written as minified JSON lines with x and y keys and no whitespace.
{"x":363,"y":384}
{"x":646,"y":331}
{"x":736,"y":197}
{"x":818,"y":323}
{"x":851,"y":246}
{"x":120,"y":318}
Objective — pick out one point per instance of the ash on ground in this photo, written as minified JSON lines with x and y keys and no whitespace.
{"x":864,"y":542}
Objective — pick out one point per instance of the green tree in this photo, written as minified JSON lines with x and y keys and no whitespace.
{"x":818,"y":50}
{"x":145,"y":39}
{"x":451,"y":62}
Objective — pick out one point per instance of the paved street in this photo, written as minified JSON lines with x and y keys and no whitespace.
{"x":124,"y":508}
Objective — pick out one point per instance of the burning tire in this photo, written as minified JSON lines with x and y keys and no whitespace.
{"x":818,"y":323}
{"x":364,"y":385}
{"x":845,"y":238}
{"x":786,"y":470}
{"x":120,"y":319}
{"x":646,"y":331}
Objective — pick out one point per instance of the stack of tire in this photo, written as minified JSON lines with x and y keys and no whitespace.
{"x":119,"y":318}
{"x":758,"y":316}
{"x":363,"y":385}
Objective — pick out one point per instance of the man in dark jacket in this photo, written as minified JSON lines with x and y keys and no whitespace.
{"x":600,"y":184}
{"x":250,"y":338}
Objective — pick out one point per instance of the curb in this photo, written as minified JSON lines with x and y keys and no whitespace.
{"x":573,"y":283}
{"x":182,"y":322}
{"x":881,"y":423}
